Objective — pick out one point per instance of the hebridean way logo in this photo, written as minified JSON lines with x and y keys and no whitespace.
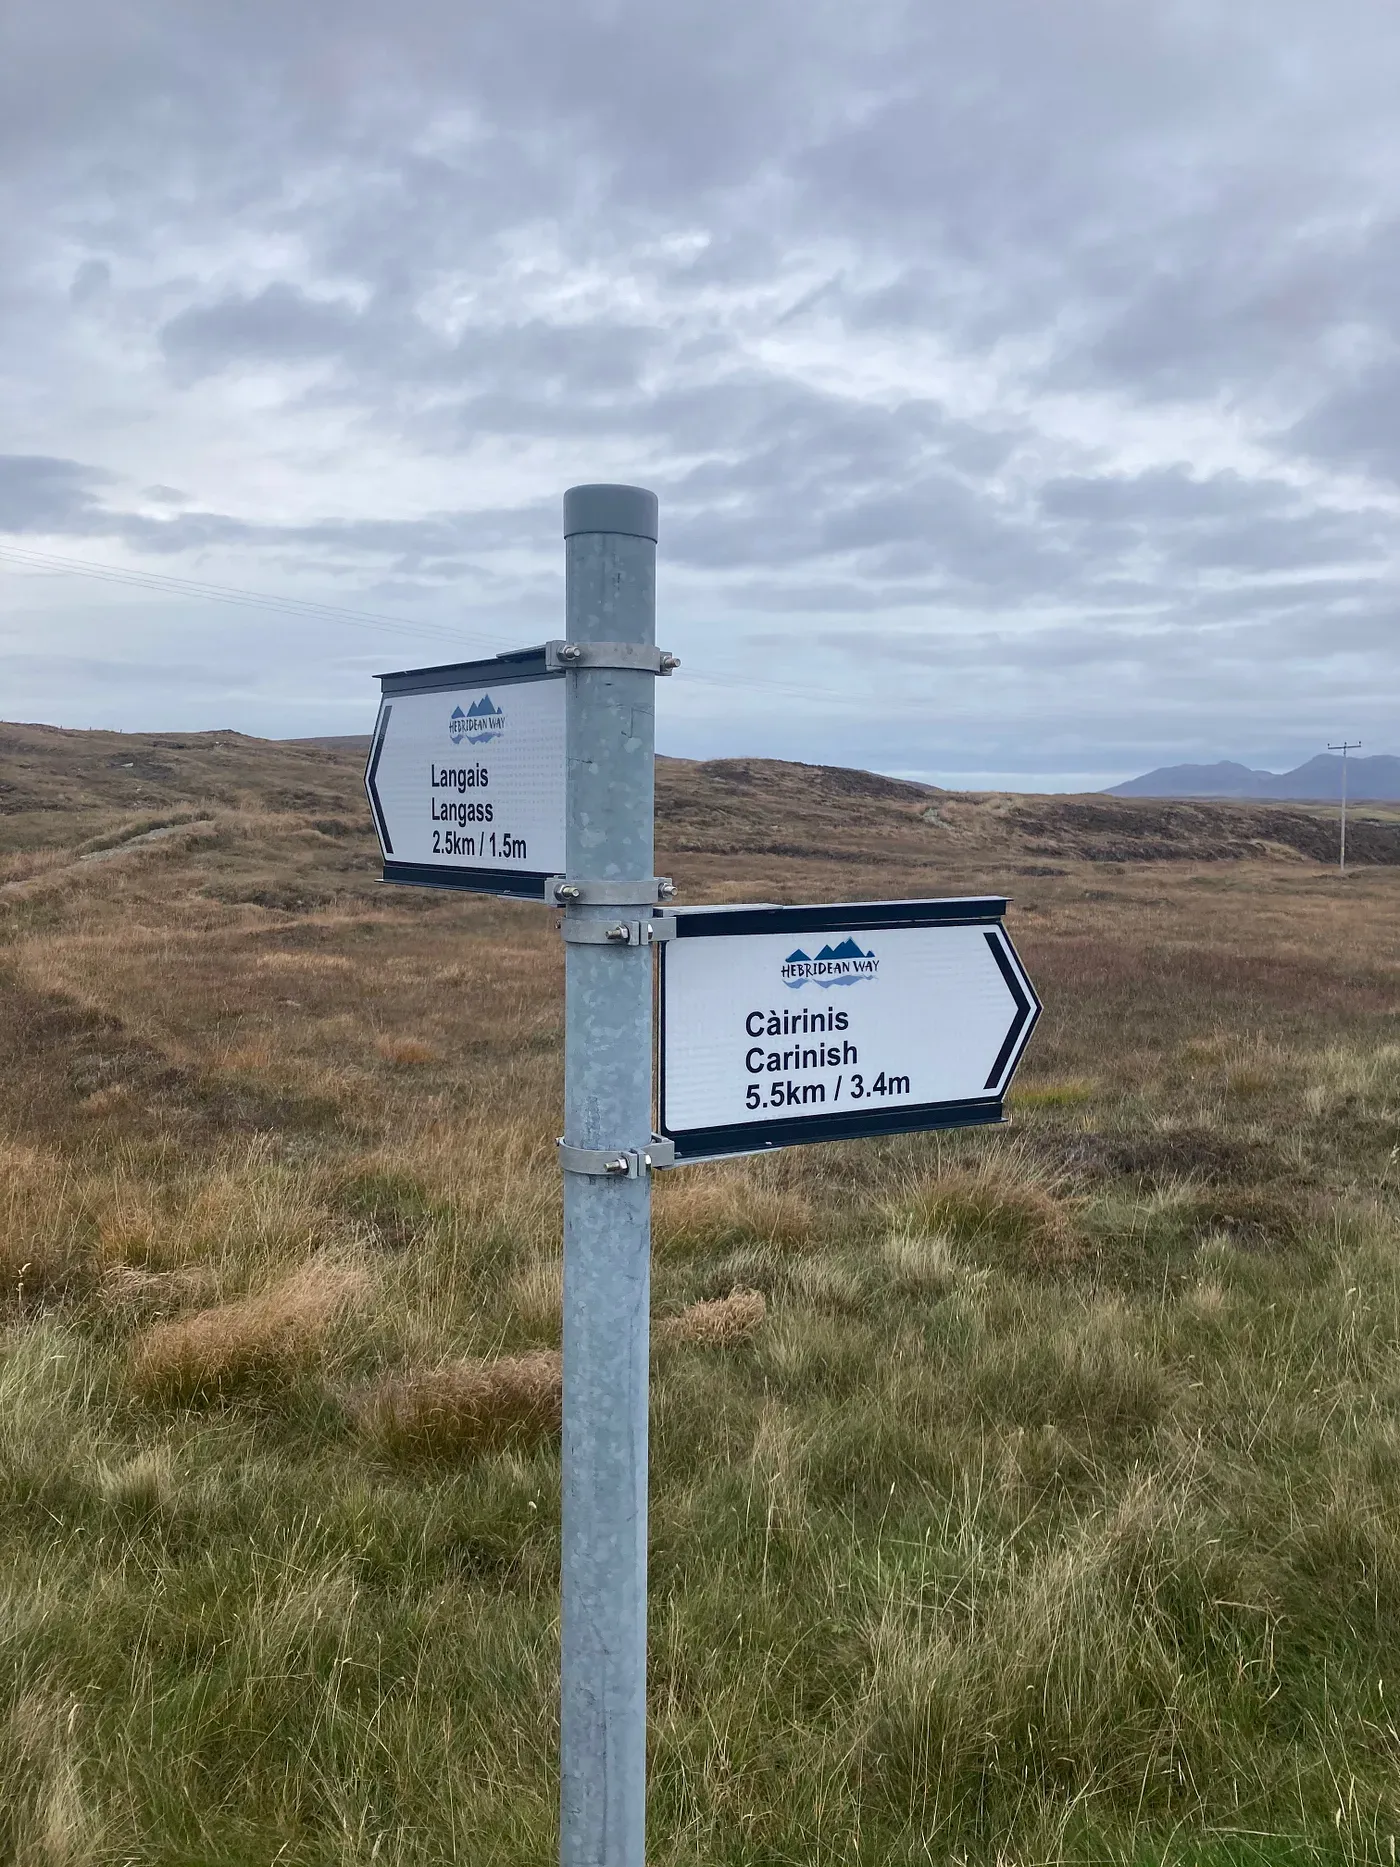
{"x":481,"y":721}
{"x":834,"y":965}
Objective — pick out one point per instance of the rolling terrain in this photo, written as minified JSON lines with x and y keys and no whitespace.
{"x":1028,"y":1496}
{"x":94,"y":785}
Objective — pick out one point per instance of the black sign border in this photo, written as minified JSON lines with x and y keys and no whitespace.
{"x":738,"y":1138}
{"x":512,"y":670}
{"x":521,"y":664}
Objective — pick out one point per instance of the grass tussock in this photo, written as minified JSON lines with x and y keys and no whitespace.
{"x":24,"y":865}
{"x":405,"y":1052}
{"x":142,"y":1483}
{"x":466,"y":1405}
{"x":719,"y":1207}
{"x":919,"y":1263}
{"x":44,"y":1249}
{"x":49,"y":1821}
{"x":266,"y":1337}
{"x":1064,"y":1093}
{"x":153,"y":1294}
{"x":715,"y":1323}
{"x":535,"y":1296}
{"x":1003,"y":1207}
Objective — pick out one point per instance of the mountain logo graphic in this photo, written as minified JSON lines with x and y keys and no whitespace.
{"x":845,"y":964}
{"x":482,"y":721}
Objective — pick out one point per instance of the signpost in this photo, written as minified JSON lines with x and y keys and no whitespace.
{"x":782,"y":1025}
{"x":532,"y":775}
{"x":466,"y":774}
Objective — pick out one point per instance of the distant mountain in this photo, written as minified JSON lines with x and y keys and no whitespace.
{"x":1319,"y":781}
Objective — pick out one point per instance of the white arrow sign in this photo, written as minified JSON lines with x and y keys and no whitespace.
{"x":466,"y":775}
{"x":781,"y":1025}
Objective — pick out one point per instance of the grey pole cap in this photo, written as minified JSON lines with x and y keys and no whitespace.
{"x":631,"y":510}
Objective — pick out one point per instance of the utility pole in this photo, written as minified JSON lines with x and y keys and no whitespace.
{"x":1344,"y":746}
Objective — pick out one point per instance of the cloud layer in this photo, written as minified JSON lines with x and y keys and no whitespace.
{"x":1021,"y":383}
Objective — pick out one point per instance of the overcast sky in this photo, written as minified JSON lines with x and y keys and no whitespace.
{"x":1020,"y":381}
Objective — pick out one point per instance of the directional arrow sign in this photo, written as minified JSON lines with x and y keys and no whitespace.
{"x":466,"y":775}
{"x":782,"y":1025}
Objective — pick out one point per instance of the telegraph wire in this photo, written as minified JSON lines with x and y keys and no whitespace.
{"x":163,"y":583}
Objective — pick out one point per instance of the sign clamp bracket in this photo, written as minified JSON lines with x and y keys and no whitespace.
{"x":618,"y":1163}
{"x":568,"y":892}
{"x":634,"y":657}
{"x":618,"y":933}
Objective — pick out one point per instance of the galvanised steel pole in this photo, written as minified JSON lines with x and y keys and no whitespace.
{"x":610,"y":567}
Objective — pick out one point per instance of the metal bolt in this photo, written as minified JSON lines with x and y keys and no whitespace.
{"x":622,"y":934}
{"x":568,"y":891}
{"x":665,"y":888}
{"x":669,"y":663}
{"x":569,"y":651}
{"x":617,"y":1167}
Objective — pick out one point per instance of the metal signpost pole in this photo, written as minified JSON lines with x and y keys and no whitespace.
{"x":610,"y":551}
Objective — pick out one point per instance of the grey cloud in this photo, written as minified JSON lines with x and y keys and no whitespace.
{"x":528,"y":375}
{"x":1219,"y":521}
{"x":90,"y":281}
{"x":432,"y":545}
{"x":39,"y":494}
{"x":53,"y":675}
{"x":795,"y":475}
{"x":1358,"y":423}
{"x":1269,"y":547}
{"x":1170,"y":494}
{"x":1171,"y":648}
{"x":437,"y":542}
{"x":279,"y":324}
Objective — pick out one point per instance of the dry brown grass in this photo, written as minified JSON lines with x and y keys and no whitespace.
{"x":24,"y":865}
{"x":137,"y":1487}
{"x":1060,"y":1093}
{"x":466,"y":1405}
{"x":405,"y":1051}
{"x":724,"y":1205}
{"x":271,"y":1335}
{"x":142,"y":1292}
{"x":716,"y":1323}
{"x":535,"y":1295}
{"x":919,"y":1262}
{"x":42,"y":1251}
{"x":1004,"y":1206}
{"x":53,"y":1824}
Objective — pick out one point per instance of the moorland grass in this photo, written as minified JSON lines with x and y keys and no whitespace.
{"x":1027,"y":1496}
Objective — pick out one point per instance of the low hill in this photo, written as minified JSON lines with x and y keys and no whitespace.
{"x":759,"y":807}
{"x":724,"y":823}
{"x":1319,"y":780}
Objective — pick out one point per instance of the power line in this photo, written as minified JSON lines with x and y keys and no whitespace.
{"x":163,"y":583}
